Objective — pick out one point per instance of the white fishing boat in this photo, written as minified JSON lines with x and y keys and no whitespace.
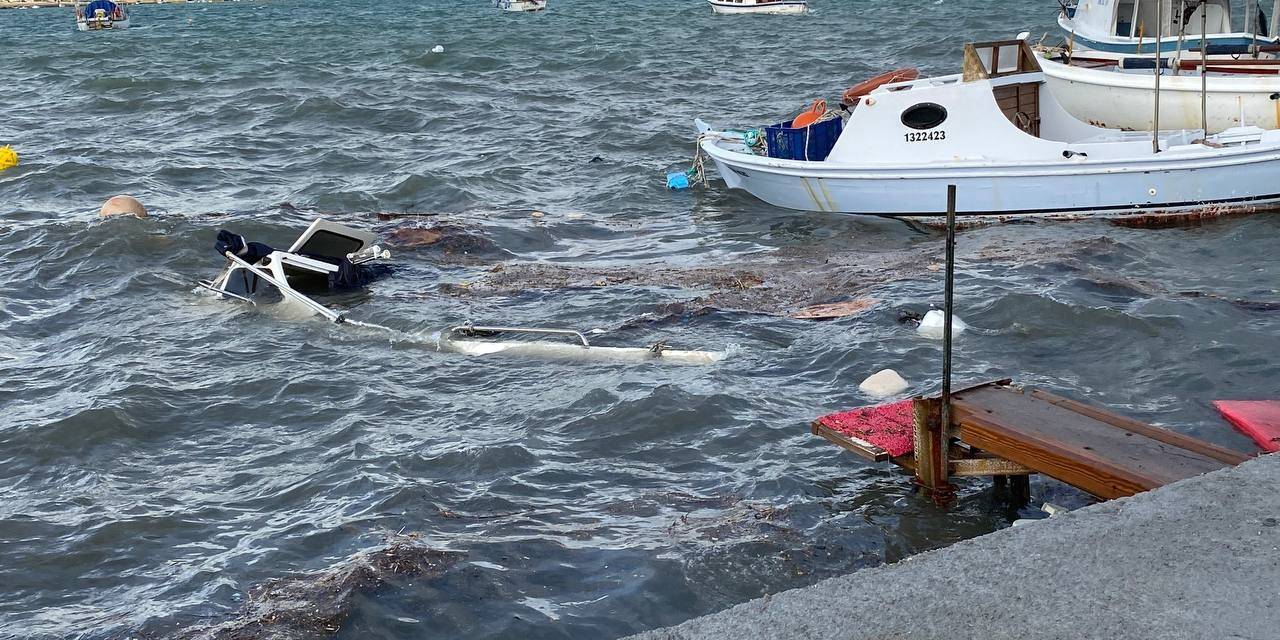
{"x":1133,"y":27}
{"x":759,"y":6}
{"x":1120,"y":94}
{"x":101,"y":14}
{"x":515,"y":6}
{"x":999,"y":134}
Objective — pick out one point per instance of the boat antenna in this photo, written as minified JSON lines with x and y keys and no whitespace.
{"x":1155,"y":133}
{"x":1204,"y":68}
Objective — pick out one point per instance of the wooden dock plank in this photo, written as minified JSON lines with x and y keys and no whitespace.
{"x":1104,"y":454}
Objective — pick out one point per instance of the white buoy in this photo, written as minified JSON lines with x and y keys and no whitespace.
{"x":437,"y":49}
{"x":883,"y":383}
{"x":931,"y":325}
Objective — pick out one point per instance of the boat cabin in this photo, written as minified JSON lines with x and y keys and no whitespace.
{"x":1018,"y":101}
{"x":1139,"y":19}
{"x":1000,"y":106}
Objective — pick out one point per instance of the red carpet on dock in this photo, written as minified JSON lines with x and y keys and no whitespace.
{"x":888,"y":426}
{"x":1258,"y":419}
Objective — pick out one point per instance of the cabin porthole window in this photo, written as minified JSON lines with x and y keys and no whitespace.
{"x":925,"y":115}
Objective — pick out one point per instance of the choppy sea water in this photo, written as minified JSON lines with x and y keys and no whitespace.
{"x":172,"y":465}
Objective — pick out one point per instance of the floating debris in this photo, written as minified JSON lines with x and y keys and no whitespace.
{"x":932,"y":325}
{"x":884,"y":383}
{"x":8,"y":158}
{"x":454,"y":242}
{"x":834,"y":310}
{"x":317,"y":604}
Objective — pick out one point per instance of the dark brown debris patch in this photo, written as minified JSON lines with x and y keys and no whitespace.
{"x":315,"y":605}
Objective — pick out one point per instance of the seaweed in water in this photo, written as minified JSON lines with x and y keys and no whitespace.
{"x":315,"y":605}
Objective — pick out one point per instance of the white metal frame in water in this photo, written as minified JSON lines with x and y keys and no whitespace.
{"x":274,"y":268}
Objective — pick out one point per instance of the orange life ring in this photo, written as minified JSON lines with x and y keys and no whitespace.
{"x":853,"y":94}
{"x":811,"y":116}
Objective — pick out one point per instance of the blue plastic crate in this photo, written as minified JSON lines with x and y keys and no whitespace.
{"x":812,"y":143}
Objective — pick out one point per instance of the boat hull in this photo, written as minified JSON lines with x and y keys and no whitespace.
{"x":1244,"y":182}
{"x":1116,"y":100}
{"x":521,"y":6}
{"x":773,"y":8}
{"x":94,"y":25}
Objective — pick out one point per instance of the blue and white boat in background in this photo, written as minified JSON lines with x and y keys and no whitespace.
{"x":1001,"y":136}
{"x":1131,"y":27}
{"x":101,"y":14}
{"x":759,"y":6}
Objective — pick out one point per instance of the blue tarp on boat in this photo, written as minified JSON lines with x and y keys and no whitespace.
{"x":107,"y":7}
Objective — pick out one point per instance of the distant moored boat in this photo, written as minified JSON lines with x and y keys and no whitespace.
{"x":101,"y":14}
{"x":520,"y":5}
{"x":759,"y":6}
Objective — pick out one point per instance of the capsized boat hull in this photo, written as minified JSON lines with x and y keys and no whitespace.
{"x":1114,"y":99}
{"x":1183,"y":178}
{"x":772,"y":8}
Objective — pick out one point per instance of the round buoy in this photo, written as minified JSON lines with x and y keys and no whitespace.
{"x":8,"y":158}
{"x":437,"y":49}
{"x":123,"y":206}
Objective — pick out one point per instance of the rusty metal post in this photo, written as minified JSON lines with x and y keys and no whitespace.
{"x":930,"y":450}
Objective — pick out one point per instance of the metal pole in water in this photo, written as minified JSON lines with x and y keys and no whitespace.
{"x":1155,"y":133}
{"x":948,"y":308}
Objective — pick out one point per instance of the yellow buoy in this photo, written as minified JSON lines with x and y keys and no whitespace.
{"x":8,"y":157}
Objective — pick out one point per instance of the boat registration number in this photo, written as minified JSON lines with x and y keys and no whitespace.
{"x":926,"y":136}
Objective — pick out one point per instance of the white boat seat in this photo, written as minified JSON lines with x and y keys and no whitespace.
{"x":331,"y":240}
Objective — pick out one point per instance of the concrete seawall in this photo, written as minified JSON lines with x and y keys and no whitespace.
{"x":1196,"y":559}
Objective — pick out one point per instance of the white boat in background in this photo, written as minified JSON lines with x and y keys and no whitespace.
{"x":101,"y":14}
{"x":515,"y":6}
{"x":759,"y":6}
{"x":999,"y":134}
{"x":1131,"y":27}
{"x":1114,"y":96}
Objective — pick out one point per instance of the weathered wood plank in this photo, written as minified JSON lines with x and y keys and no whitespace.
{"x":1086,"y":447}
{"x":856,"y":445}
{"x":1206,"y":449}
